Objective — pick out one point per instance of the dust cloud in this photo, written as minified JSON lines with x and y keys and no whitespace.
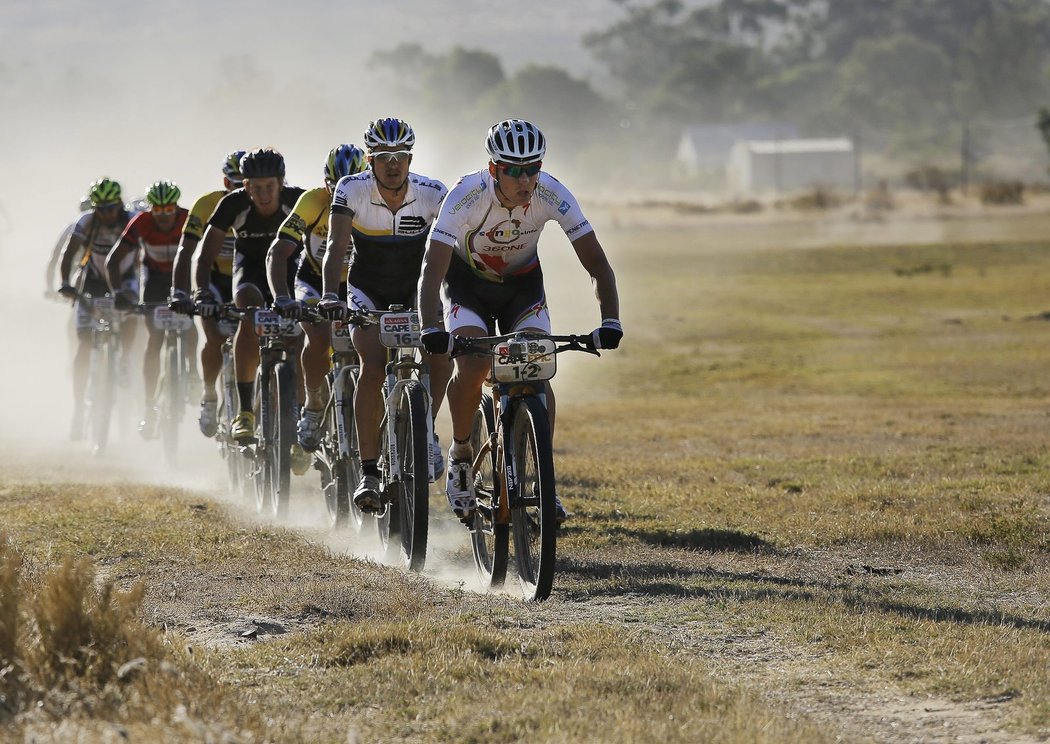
{"x":137,"y":96}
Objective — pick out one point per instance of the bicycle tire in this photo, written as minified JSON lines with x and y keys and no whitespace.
{"x":229,"y":454}
{"x":410,"y":509}
{"x":104,"y":375}
{"x":489,"y":540}
{"x":533,"y":518}
{"x":259,"y":465}
{"x":342,"y":511}
{"x":172,"y":399}
{"x":284,"y":436}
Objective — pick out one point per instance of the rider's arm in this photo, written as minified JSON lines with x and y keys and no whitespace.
{"x":69,"y":250}
{"x":114,"y":259}
{"x":281,"y":249}
{"x":593,"y":259}
{"x":211,"y":246}
{"x":56,"y":257}
{"x":340,"y":225}
{"x":182,"y":270}
{"x":435,"y":266}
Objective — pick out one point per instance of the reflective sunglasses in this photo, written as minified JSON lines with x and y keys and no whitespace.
{"x":108,"y":207}
{"x":165,"y":209}
{"x":517,"y":171}
{"x":394,"y":156}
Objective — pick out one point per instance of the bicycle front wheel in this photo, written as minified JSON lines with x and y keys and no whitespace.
{"x":283,"y":436}
{"x":347,"y":469}
{"x":410,"y":509}
{"x":103,"y":379}
{"x":532,"y":504}
{"x":489,"y":538}
{"x":172,"y":400}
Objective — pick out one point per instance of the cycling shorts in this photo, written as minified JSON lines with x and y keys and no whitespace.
{"x":517,"y":302}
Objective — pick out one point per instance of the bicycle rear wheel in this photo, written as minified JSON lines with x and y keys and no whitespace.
{"x":532,"y":504}
{"x":407,"y":516}
{"x":489,"y":540}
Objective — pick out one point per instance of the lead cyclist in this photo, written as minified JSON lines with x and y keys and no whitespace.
{"x":483,"y":251}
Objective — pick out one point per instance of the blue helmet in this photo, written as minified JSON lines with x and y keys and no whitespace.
{"x":389,"y":133}
{"x":344,"y":160}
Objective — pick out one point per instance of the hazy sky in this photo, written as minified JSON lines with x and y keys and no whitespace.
{"x":136,"y":90}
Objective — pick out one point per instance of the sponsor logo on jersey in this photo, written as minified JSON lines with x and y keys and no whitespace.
{"x":576,"y":228}
{"x":411,"y":224}
{"x":564,"y":207}
{"x":547,"y":195}
{"x":506,"y":231}
{"x":469,"y":198}
{"x":295,"y":225}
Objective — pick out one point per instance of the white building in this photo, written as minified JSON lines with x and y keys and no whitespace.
{"x":791,"y":165}
{"x":702,"y":150}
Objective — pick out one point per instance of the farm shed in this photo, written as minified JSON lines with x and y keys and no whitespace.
{"x":703,"y":150}
{"x":791,"y":164}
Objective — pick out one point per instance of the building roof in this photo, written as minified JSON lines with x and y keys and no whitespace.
{"x":784,"y":146}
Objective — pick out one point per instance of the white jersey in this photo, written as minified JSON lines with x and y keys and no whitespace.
{"x":99,"y":240}
{"x":388,"y":245}
{"x":495,"y":241}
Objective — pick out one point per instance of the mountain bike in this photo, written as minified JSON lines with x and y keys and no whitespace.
{"x":171,"y":393}
{"x":276,"y":397}
{"x":513,"y":467}
{"x":102,"y":369}
{"x":237,"y":470}
{"x":406,"y":463}
{"x":338,"y":457}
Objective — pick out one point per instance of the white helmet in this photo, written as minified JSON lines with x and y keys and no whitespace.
{"x":515,"y":141}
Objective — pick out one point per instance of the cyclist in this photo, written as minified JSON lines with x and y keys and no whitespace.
{"x":307,"y":225}
{"x":257,"y":212}
{"x":221,"y":284}
{"x":483,"y":248}
{"x":92,"y":237}
{"x":153,"y":237}
{"x":388,"y":211}
{"x":56,"y":253}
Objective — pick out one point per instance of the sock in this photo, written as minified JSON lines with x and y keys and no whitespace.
{"x":246,"y":391}
{"x":460,"y":449}
{"x":370,"y":467}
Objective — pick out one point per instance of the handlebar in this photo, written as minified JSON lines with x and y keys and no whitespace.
{"x":485,"y":344}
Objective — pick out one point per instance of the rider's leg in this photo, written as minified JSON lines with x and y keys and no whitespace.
{"x":246,"y":346}
{"x":316,"y":363}
{"x":151,"y":364}
{"x":211,"y":357}
{"x":368,"y":401}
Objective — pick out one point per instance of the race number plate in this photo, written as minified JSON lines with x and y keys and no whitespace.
{"x":527,"y":360}
{"x":269,"y":323}
{"x":399,"y":330}
{"x":341,"y":336}
{"x":165,"y":319}
{"x":102,"y":305}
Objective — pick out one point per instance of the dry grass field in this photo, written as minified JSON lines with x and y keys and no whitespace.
{"x":811,"y":497}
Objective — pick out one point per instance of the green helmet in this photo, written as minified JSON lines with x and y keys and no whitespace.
{"x":104,"y":191}
{"x":161,"y":193}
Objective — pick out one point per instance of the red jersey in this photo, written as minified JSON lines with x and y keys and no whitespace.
{"x":158,"y":248}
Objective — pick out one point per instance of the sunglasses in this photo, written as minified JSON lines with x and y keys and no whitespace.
{"x":517,"y":171}
{"x":168,"y":209}
{"x":395,"y":156}
{"x":108,"y":207}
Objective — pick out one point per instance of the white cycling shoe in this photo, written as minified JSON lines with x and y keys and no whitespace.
{"x":459,"y":489}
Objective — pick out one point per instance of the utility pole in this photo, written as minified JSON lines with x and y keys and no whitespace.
{"x":964,"y":154}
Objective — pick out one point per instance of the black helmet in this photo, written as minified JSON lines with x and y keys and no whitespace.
{"x":262,"y":163}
